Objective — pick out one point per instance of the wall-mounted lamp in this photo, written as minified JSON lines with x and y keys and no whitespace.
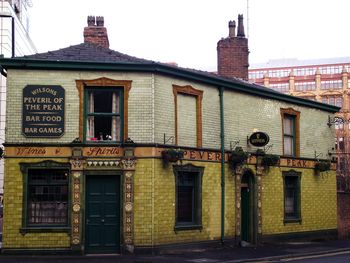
{"x":335,"y":121}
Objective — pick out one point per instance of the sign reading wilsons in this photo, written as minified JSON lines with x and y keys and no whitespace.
{"x":259,"y":139}
{"x":43,"y":111}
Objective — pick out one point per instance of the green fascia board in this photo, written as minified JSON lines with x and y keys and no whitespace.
{"x":154,"y":67}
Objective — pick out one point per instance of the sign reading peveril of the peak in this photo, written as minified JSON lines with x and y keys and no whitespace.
{"x":43,"y":111}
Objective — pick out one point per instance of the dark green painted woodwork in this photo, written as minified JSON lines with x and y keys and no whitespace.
{"x":245,"y":216}
{"x":292,"y":177}
{"x":248,"y":208}
{"x":102,"y":219}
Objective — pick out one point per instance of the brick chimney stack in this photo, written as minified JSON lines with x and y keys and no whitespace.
{"x":233,"y":52}
{"x":95,"y":32}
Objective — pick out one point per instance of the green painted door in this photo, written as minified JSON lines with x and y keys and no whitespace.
{"x":102,"y":224}
{"x":245,"y":216}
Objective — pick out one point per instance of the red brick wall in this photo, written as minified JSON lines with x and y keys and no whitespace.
{"x":96,"y":35}
{"x":343,"y":201}
{"x":233,"y":57}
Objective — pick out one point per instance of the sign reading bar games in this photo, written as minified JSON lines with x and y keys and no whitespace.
{"x":43,"y":111}
{"x":259,"y":139}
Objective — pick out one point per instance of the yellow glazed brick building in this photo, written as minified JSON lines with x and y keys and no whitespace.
{"x":107,"y":153}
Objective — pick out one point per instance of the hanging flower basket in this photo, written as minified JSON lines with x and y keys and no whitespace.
{"x":237,"y":157}
{"x":172,"y":155}
{"x":269,"y":160}
{"x":322,"y":166}
{"x":260,"y":152}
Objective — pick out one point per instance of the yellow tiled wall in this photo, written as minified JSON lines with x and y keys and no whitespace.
{"x":318,"y":202}
{"x":13,"y":205}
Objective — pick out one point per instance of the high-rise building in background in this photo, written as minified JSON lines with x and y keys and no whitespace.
{"x":14,"y":41}
{"x":323,"y":80}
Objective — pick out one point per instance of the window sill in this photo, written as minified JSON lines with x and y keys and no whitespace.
{"x":44,"y":229}
{"x":292,"y":220}
{"x":187,"y":227}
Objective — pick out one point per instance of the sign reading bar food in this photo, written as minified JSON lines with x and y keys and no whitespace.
{"x":259,"y":139}
{"x":43,"y":111}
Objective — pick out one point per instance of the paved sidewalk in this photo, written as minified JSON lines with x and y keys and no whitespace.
{"x":264,"y":252}
{"x":219,"y":254}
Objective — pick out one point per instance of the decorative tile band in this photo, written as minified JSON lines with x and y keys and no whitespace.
{"x":111,"y":163}
{"x":129,"y":170}
{"x":76,"y":172}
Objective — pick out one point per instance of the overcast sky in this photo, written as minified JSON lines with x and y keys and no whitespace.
{"x":187,"y":31}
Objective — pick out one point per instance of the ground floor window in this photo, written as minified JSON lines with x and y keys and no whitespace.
{"x":46,"y":196}
{"x":292,"y":196}
{"x":47,"y":201}
{"x":188,"y":211}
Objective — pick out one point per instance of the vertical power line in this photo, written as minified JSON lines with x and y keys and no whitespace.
{"x":248,"y":19}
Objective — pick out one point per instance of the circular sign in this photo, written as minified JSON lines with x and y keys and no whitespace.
{"x":259,"y":139}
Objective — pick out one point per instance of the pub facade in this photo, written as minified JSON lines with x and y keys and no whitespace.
{"x":106,"y":152}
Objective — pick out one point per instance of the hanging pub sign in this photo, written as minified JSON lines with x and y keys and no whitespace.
{"x":259,"y":139}
{"x":43,"y":111}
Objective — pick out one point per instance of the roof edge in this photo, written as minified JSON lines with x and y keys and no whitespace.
{"x":230,"y":84}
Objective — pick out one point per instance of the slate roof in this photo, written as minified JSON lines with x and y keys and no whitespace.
{"x":89,"y":56}
{"x":86,"y":52}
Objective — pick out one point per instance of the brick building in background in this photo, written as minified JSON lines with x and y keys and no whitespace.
{"x":326,"y":81}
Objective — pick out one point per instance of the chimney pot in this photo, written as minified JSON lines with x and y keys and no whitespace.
{"x":240,"y":30}
{"x":232,"y":28}
{"x":96,"y":33}
{"x":99,"y":20}
{"x":233,"y":53}
{"x":91,"y":20}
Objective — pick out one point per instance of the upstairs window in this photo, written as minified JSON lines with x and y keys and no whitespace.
{"x":103,"y":110}
{"x":188,"y":115}
{"x":290,"y":131}
{"x":289,"y":135}
{"x":103,"y":114}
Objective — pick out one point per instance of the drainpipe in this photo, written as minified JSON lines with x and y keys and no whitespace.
{"x":222,"y":137}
